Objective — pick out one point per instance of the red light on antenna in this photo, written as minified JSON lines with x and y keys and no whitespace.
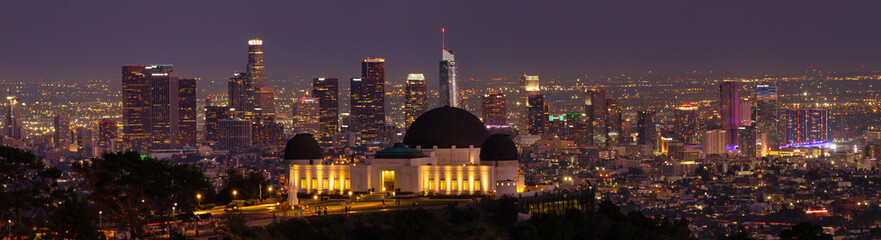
{"x":443,"y":29}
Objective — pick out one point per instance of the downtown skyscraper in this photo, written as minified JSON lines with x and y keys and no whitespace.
{"x":187,"y":114}
{"x":367,"y":96}
{"x":327,"y":92}
{"x":448,"y":89}
{"x":14,"y":127}
{"x":62,"y":134}
{"x":494,"y":109}
{"x":306,"y":115}
{"x":767,"y":115}
{"x":108,"y":132}
{"x":597,"y":116}
{"x":529,"y":85}
{"x":213,"y":114}
{"x":537,"y":114}
{"x":729,"y":100}
{"x":151,"y":107}
{"x":646,"y":129}
{"x":415,"y":97}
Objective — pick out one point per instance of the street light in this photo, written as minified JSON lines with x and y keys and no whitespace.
{"x":199,"y":198}
{"x":270,"y":191}
{"x":234,"y":193}
{"x":100,"y":218}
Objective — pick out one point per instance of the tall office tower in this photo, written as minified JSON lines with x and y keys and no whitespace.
{"x":614,"y":123}
{"x":715,"y":141}
{"x":234,"y":133}
{"x":262,"y":96}
{"x":688,"y":126}
{"x":597,"y":115}
{"x":265,"y":110}
{"x":747,"y":138}
{"x":239,"y":94}
{"x":164,"y":107}
{"x":187,"y":107}
{"x":368,"y":100}
{"x":14,"y":129}
{"x":62,"y":132}
{"x":85,"y":140}
{"x":745,"y":109}
{"x":576,"y":128}
{"x":645,"y":124}
{"x":136,"y":96}
{"x":767,"y":115}
{"x":494,"y":109}
{"x":806,"y":125}
{"x":415,"y":97}
{"x":268,"y":133}
{"x":327,"y":90}
{"x":537,"y":114}
{"x":448,"y":90}
{"x":529,"y":85}
{"x":729,"y":99}
{"x":306,"y":116}
{"x":213,"y":114}
{"x":108,"y":136}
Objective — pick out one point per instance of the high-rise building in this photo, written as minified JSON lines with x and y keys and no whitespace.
{"x":150,"y":107}
{"x":306,"y":116}
{"x":188,"y":131}
{"x":529,"y":85}
{"x":806,"y":125}
{"x":263,"y":105}
{"x":494,"y":109}
{"x":688,"y":127}
{"x":647,"y":131}
{"x":327,"y":92}
{"x":268,"y":133}
{"x":108,"y":133}
{"x":234,"y":133}
{"x":240,"y":93}
{"x":767,"y":120}
{"x":538,"y":114}
{"x":62,"y":132}
{"x":448,"y":90}
{"x":597,"y":115}
{"x":14,"y":128}
{"x":614,"y":122}
{"x":368,"y":100}
{"x":85,"y":140}
{"x":747,"y":138}
{"x":136,"y":96}
{"x":729,"y":100}
{"x":715,"y":142}
{"x":164,"y":107}
{"x":415,"y":97}
{"x":213,"y":114}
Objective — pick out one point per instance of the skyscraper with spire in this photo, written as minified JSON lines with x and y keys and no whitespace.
{"x":448,"y":89}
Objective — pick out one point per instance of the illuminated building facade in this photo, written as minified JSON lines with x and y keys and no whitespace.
{"x":268,"y":133}
{"x":747,"y":138}
{"x":614,"y":122}
{"x":597,"y":115}
{"x":715,"y":142}
{"x":729,"y":100}
{"x":62,"y":132}
{"x":213,"y":114}
{"x":164,"y":107}
{"x":368,"y":101}
{"x":688,"y":126}
{"x":327,"y":92}
{"x":767,"y":114}
{"x":448,"y":89}
{"x":415,"y":97}
{"x":136,"y":116}
{"x":234,"y":133}
{"x":188,"y":131}
{"x":529,"y":85}
{"x":108,"y":132}
{"x":240,"y":94}
{"x":306,"y":116}
{"x":537,"y":114}
{"x":806,"y":125}
{"x":446,"y":151}
{"x":14,"y":127}
{"x":495,"y":110}
{"x":645,"y":124}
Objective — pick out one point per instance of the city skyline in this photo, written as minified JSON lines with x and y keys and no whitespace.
{"x":671,"y":38}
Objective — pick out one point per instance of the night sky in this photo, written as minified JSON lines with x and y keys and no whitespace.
{"x":64,"y":40}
